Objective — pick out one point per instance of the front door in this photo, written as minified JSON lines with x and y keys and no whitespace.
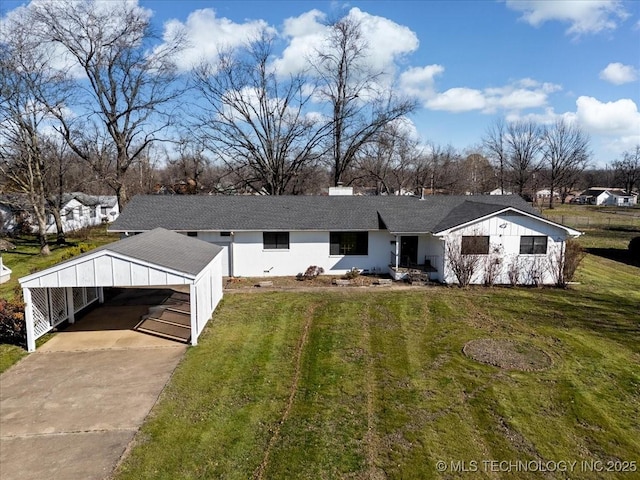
{"x":408,"y":251}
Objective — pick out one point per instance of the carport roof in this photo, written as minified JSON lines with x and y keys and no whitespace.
{"x":160,"y":247}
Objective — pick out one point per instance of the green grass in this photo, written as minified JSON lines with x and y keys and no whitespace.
{"x":26,"y":258}
{"x":382,"y":388}
{"x":10,"y":354}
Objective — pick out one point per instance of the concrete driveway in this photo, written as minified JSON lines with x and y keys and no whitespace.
{"x":70,"y":410}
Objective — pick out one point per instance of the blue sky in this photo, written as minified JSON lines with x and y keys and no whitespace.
{"x":467,"y":62}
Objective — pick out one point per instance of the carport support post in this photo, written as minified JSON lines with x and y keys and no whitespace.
{"x":194,"y":314}
{"x":100,"y":294}
{"x":71,"y":316}
{"x":28,"y":319}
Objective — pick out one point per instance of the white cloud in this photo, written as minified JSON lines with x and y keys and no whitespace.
{"x":387,"y":41}
{"x":617,"y":73}
{"x":419,"y":83}
{"x":208,"y":34}
{"x":619,"y":118}
{"x":584,"y":16}
{"x":458,"y":100}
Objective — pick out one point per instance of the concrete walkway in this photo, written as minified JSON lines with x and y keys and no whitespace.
{"x":70,"y":410}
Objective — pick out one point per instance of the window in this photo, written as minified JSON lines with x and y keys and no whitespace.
{"x":533,"y":245}
{"x":349,"y":243}
{"x":94,"y":212}
{"x":275,"y":240}
{"x":104,"y":211}
{"x":70,"y":214}
{"x":476,"y":245}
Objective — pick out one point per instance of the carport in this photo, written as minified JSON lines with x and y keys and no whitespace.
{"x":158,"y":258}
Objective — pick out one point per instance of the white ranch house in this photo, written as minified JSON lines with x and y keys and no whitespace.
{"x":79,"y":210}
{"x":264,"y":236}
{"x":608,"y":196}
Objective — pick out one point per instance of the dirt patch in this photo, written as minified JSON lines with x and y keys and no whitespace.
{"x":507,"y":354}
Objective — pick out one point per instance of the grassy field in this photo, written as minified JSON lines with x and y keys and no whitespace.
{"x":373,"y":384}
{"x":26,"y":258}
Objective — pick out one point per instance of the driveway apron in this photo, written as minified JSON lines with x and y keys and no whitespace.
{"x":70,"y":415}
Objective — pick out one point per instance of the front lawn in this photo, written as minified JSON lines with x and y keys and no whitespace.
{"x":352,"y":383}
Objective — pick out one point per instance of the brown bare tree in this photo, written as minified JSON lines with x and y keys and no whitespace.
{"x":565,"y":153}
{"x":256,"y":122}
{"x":128,"y":85}
{"x":25,"y":75}
{"x":523,"y":140}
{"x":627,"y":170}
{"x":495,"y":143}
{"x":359,"y":107}
{"x":385,"y":163}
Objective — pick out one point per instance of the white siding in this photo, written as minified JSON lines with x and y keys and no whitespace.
{"x":505,"y":232}
{"x":225,"y":243}
{"x":305,"y":249}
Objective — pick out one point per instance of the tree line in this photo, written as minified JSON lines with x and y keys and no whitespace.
{"x":91,"y":100}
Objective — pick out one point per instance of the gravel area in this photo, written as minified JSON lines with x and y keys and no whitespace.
{"x":507,"y":354}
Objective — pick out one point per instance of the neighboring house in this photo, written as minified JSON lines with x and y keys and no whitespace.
{"x":283,"y":235}
{"x":78,"y":210}
{"x":5,"y":272}
{"x":14,"y":209}
{"x":608,"y":196}
{"x":498,"y":191}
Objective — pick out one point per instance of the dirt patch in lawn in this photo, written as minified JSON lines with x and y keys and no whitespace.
{"x":507,"y":354}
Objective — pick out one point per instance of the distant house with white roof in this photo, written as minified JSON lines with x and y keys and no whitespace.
{"x":608,"y":196}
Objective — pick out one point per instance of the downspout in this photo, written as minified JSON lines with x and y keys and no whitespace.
{"x":397,"y":252}
{"x":231,"y":256}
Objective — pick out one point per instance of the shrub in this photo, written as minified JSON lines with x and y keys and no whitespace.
{"x":310,"y":273}
{"x":573,"y":255}
{"x":351,"y":274}
{"x":77,"y":250}
{"x":462,"y":265}
{"x":12,"y":325}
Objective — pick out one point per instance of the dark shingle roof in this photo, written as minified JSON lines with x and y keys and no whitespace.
{"x":165,"y":249}
{"x":324,"y":213}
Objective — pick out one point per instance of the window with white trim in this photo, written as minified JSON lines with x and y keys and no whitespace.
{"x":475,"y":245}
{"x":533,"y":245}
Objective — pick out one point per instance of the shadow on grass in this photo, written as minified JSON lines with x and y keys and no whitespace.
{"x":617,"y":254}
{"x":609,"y":315}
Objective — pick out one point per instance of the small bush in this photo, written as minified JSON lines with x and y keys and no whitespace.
{"x":12,"y":325}
{"x":352,"y":274}
{"x":77,"y":250}
{"x":573,"y":255}
{"x":310,"y":273}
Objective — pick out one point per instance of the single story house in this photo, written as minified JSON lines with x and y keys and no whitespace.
{"x":265,"y":236}
{"x":78,"y":210}
{"x":608,"y":196}
{"x":158,"y":258}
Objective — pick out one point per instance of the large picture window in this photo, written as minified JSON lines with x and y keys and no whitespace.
{"x":349,"y":243}
{"x":475,"y":245}
{"x":275,"y":240}
{"x":533,"y":245}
